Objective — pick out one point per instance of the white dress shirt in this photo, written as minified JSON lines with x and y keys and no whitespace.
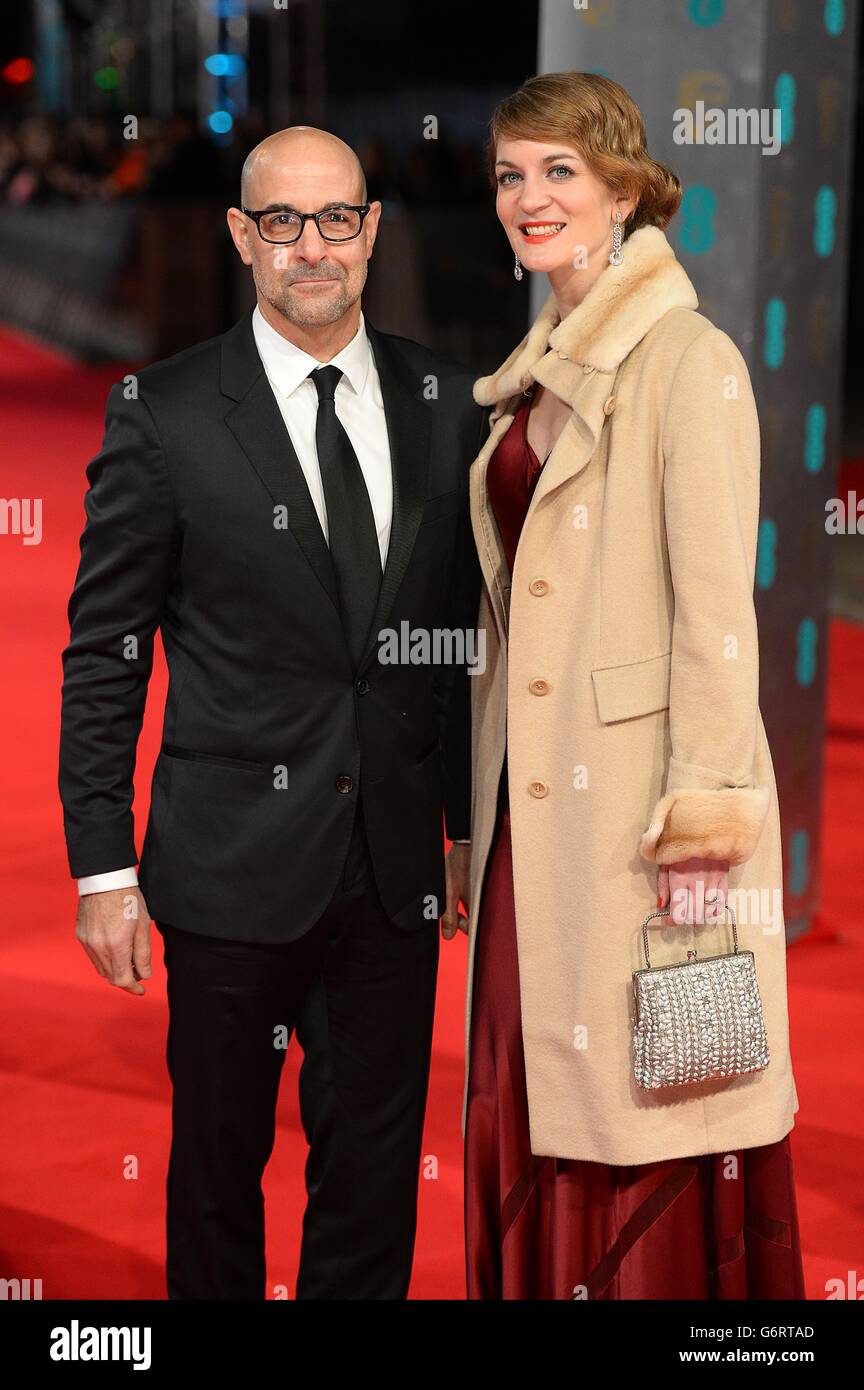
{"x":360,"y":408}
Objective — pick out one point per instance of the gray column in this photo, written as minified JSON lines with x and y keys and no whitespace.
{"x":764,"y":238}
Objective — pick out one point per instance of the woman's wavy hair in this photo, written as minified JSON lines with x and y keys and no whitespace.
{"x":603,"y":122}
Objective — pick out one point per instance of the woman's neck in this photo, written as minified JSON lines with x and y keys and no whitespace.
{"x":571,"y":286}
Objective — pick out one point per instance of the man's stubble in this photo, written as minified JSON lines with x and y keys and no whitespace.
{"x":306,"y":310}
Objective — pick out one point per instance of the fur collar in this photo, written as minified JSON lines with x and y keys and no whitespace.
{"x":616,"y":313}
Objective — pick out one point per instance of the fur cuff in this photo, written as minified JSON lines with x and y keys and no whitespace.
{"x":697,"y":823}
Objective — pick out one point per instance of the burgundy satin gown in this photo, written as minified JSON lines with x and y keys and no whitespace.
{"x":550,"y":1228}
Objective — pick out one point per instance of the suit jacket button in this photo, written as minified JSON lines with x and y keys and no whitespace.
{"x":344,"y":784}
{"x":538,"y":686}
{"x":538,"y":587}
{"x":538,"y":789}
{"x":609,"y":405}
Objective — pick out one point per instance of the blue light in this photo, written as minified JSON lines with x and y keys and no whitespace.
{"x":221,"y":122}
{"x":225,"y":64}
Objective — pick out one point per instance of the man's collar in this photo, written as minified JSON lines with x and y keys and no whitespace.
{"x":287,"y":365}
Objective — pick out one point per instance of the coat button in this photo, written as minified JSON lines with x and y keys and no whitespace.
{"x":563,"y":356}
{"x":344,"y":785}
{"x":538,"y":587}
{"x":538,"y":686}
{"x":587,"y":369}
{"x":609,"y":405}
{"x":538,"y":789}
{"x":362,"y":686}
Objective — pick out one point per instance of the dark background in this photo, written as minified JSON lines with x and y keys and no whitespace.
{"x":138,"y":238}
{"x":115,"y":249}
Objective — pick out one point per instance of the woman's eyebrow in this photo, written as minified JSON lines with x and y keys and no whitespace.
{"x":548,"y":160}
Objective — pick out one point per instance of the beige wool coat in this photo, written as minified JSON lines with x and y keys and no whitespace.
{"x":621,"y":680}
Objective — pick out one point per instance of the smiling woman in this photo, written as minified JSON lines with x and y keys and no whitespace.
{"x":616,"y":751}
{"x":557,"y":165}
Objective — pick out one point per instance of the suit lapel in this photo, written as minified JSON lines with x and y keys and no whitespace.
{"x":257,"y":425}
{"x":409,"y":430}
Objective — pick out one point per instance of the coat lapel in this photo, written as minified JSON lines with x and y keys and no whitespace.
{"x":575,"y":446}
{"x":572,"y":451}
{"x":616,"y":313}
{"x":578,"y":358}
{"x":490,"y":550}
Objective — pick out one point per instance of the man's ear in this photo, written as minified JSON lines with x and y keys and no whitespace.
{"x":370,"y":226}
{"x":239,"y":234}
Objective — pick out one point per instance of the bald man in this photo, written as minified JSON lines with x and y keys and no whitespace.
{"x":287,"y":503}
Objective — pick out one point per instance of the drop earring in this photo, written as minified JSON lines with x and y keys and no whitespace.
{"x":517,"y":269}
{"x":616,"y":255}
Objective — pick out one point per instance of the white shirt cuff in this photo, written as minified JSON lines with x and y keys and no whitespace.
{"x":115,"y":878}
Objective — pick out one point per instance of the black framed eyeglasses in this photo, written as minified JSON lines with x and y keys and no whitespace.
{"x":282,"y":225}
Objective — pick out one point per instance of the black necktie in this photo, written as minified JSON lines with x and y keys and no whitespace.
{"x":354,"y":545}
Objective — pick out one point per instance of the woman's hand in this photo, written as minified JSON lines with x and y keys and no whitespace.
{"x":697,"y":888}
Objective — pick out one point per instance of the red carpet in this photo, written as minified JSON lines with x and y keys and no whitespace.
{"x":83,"y":1085}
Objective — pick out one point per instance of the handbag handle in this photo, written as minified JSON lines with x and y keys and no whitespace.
{"x":664,"y":912}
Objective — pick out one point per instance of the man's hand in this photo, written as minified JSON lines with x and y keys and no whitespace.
{"x":698,"y":889}
{"x":114,"y":929}
{"x":457,"y":868}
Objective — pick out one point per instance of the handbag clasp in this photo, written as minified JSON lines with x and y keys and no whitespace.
{"x":691,"y":955}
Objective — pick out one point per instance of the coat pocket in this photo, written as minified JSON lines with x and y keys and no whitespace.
{"x":171,"y":750}
{"x":637,"y":687}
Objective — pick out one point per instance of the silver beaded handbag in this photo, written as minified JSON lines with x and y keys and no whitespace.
{"x":698,"y":1019}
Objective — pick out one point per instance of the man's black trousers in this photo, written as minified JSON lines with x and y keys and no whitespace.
{"x":359,"y":992}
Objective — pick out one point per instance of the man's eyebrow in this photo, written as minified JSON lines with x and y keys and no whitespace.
{"x":289,"y":207}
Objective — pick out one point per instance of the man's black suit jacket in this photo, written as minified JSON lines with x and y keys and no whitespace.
{"x":199,"y":522}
